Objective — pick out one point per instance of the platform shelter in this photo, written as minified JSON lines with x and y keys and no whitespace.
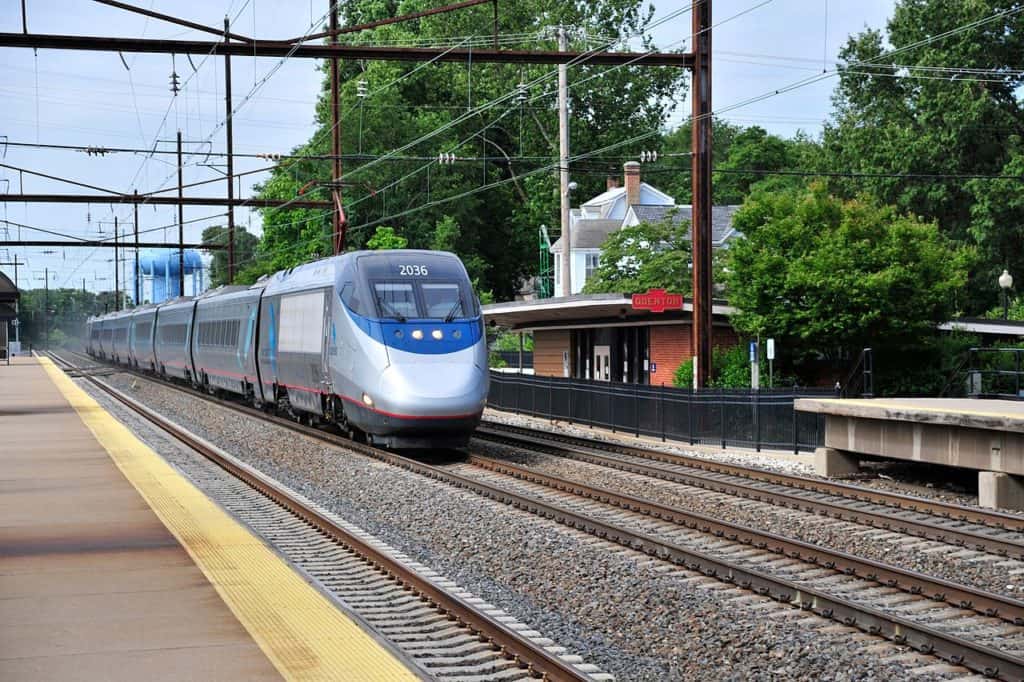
{"x":9,"y":296}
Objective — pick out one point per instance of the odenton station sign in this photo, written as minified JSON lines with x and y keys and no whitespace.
{"x":657,"y":301}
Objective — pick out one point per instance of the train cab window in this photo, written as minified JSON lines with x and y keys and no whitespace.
{"x":443,"y":300}
{"x":395,"y":299}
{"x":350,"y":297}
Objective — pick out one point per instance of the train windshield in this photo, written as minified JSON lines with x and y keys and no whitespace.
{"x":418,"y":285}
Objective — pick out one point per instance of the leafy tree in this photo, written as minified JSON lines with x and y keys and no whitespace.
{"x":68,"y":310}
{"x":448,"y":237}
{"x":509,"y":144}
{"x":385,"y":238}
{"x":245,"y":249}
{"x":751,"y":150}
{"x":909,"y":114}
{"x":826,"y":277}
{"x":644,"y":256}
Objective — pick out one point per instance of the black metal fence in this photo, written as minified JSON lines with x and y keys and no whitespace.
{"x":995,"y":373}
{"x":511,"y":358}
{"x":744,"y":418}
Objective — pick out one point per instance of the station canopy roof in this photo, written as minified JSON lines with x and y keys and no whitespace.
{"x":588,"y":310}
{"x":8,"y":292}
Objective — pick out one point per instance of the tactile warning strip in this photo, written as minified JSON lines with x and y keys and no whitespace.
{"x":299,"y":630}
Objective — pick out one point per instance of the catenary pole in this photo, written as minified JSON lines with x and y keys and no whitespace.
{"x":181,"y":223}
{"x":338,"y":222}
{"x":563,"y":163}
{"x":117,"y":280}
{"x":231,"y":162}
{"x":138,"y":275}
{"x":701,"y":179}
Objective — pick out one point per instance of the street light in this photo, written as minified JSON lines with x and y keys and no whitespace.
{"x":1005,"y":283}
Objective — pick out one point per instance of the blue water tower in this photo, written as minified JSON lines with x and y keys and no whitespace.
{"x":161,"y":267}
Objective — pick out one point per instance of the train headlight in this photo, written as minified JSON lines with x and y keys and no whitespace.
{"x":417,"y":334}
{"x":368,"y":400}
{"x":437,"y":334}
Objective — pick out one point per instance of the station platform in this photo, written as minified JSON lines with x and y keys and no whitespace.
{"x":982,"y":435}
{"x":115,"y":567}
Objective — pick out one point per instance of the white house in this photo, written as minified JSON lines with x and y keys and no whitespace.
{"x":619,"y":207}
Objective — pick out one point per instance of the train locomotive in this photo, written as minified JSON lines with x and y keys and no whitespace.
{"x":388,"y":345}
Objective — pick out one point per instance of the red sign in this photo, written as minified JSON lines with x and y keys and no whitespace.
{"x":657,"y":301}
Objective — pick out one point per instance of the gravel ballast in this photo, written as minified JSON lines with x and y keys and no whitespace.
{"x":637,"y":618}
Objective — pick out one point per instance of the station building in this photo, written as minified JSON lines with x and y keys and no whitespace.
{"x":610,"y":337}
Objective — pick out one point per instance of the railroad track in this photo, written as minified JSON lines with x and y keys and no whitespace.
{"x":965,"y":626}
{"x":448,"y":632}
{"x":988,"y":531}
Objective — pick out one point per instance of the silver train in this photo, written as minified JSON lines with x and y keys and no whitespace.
{"x":389,"y":345}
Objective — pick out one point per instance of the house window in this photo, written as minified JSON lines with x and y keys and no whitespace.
{"x":592,"y":262}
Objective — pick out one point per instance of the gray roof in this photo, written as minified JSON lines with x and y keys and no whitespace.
{"x":589,"y":234}
{"x":721,"y":218}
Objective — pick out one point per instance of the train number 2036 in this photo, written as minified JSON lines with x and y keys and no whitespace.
{"x":413,"y":270}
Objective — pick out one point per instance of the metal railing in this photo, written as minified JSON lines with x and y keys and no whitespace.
{"x":995,"y":373}
{"x":860,"y":382}
{"x":724,"y":417}
{"x":511,"y":358}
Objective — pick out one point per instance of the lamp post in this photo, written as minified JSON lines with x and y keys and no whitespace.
{"x":1005,"y":283}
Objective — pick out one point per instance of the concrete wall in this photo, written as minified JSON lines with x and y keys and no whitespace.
{"x":956,"y":446}
{"x":548,"y":346}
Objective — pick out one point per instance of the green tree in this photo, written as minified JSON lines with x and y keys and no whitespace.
{"x":642,"y":257}
{"x":385,"y":238}
{"x":245,"y":250}
{"x":448,"y":237}
{"x":407,"y":103}
{"x":751,"y":151}
{"x":826,"y":277}
{"x":910,"y":113}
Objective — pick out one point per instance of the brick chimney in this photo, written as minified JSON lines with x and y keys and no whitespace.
{"x":632,"y":172}
{"x":612,"y":182}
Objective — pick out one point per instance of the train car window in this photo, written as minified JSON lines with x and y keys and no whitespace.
{"x":350,"y":297}
{"x":443,"y":300}
{"x":395,"y":299}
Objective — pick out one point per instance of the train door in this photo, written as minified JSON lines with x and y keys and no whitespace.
{"x":602,"y":363}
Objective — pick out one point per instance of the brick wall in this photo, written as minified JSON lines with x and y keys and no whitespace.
{"x":671,"y":345}
{"x":548,"y":347}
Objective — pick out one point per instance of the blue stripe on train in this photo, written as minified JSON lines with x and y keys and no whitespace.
{"x":455,"y":336}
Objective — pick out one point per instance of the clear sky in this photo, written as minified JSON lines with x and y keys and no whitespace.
{"x":91,"y":98}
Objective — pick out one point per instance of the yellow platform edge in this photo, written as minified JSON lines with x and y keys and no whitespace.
{"x":302,"y":633}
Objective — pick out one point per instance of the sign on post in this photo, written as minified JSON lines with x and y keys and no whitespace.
{"x":657,"y":301}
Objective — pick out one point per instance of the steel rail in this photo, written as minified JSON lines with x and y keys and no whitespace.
{"x":927,"y":640}
{"x":514,"y":645}
{"x":960,"y":512}
{"x":914,"y":582}
{"x":700,"y":478}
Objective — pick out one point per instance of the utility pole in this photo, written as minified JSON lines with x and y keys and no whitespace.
{"x":46,"y":307}
{"x":701,"y":179}
{"x":181,"y":221}
{"x":117,"y":281}
{"x":563,"y":162}
{"x":231,"y":161}
{"x":338,"y":221}
{"x":138,"y":296}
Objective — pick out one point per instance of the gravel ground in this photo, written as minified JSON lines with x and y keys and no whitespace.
{"x":908,"y":478}
{"x":987,"y":571}
{"x":636,"y":618}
